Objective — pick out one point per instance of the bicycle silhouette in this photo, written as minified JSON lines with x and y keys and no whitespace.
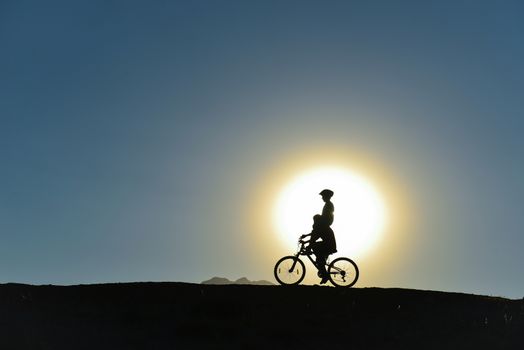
{"x":289,"y":270}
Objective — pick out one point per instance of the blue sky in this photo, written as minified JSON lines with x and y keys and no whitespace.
{"x":132,"y":133}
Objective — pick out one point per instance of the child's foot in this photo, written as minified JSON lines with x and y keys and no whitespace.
{"x":324,"y":279}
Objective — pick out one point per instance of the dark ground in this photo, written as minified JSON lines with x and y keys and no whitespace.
{"x":189,"y":316}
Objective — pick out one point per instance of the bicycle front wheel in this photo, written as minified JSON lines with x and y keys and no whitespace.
{"x":343,"y":272}
{"x":289,"y":270}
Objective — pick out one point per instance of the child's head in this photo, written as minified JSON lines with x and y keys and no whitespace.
{"x":317,"y":219}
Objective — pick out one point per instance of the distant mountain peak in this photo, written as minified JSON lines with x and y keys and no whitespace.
{"x":217,"y":280}
{"x":242,"y":280}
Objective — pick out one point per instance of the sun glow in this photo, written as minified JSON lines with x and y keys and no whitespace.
{"x":360,"y":212}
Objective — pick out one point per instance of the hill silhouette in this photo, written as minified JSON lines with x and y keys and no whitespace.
{"x":189,"y":316}
{"x":242,"y":280}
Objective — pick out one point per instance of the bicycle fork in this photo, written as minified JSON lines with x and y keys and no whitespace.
{"x":294,"y":264}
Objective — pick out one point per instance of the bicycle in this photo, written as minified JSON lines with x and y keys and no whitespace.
{"x":290,"y":270}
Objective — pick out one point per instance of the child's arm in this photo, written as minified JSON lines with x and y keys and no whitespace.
{"x":304,"y":236}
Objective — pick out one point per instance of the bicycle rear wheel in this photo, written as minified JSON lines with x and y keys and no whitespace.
{"x":343,"y":272}
{"x":289,"y":270}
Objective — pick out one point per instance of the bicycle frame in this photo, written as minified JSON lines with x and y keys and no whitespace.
{"x":303,"y":251}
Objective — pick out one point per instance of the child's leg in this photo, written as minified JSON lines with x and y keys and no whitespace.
{"x":321,"y":263}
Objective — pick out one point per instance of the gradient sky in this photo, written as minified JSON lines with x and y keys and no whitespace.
{"x":135,"y":135}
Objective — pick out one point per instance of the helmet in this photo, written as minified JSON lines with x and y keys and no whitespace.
{"x":326,"y":193}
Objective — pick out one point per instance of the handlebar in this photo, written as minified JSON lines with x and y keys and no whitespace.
{"x":301,"y":241}
{"x":302,"y":249}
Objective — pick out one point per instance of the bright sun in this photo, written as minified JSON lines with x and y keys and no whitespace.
{"x":360,"y":212}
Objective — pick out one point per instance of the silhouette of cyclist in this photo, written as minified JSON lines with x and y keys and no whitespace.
{"x":323,"y":232}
